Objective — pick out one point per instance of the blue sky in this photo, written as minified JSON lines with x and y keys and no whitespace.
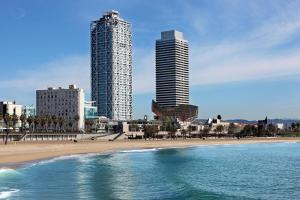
{"x":244,"y":55}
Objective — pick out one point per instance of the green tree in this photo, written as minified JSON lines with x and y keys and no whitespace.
{"x":1,"y":121}
{"x":30,"y":120}
{"x":76,"y":119}
{"x":55,"y":122}
{"x":272,"y":129}
{"x":43,"y":122}
{"x":150,"y":131}
{"x":89,"y":125}
{"x":48,"y":119}
{"x":206,"y":131}
{"x":219,"y":129}
{"x":7,"y":122}
{"x":248,"y":130}
{"x":183,"y":133}
{"x":23,"y":119}
{"x":61,"y":123}
{"x":232,"y":129}
{"x":15,"y":120}
{"x":171,"y":128}
{"x":37,"y":122}
{"x":70,"y":124}
{"x":261,"y":131}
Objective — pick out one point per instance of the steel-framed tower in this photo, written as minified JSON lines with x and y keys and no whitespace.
{"x":111,"y":66}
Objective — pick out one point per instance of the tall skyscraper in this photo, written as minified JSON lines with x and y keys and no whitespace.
{"x":172,"y":78}
{"x":172,"y":69}
{"x":111,"y":66}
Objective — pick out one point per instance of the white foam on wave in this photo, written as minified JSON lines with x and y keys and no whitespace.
{"x":157,"y":149}
{"x":139,"y":150}
{"x":290,"y":142}
{"x":7,"y":171}
{"x":84,"y":158}
{"x":7,"y":194}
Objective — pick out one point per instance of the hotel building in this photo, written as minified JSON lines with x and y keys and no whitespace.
{"x":172,"y":69}
{"x":172,"y":78}
{"x":111,"y":66}
{"x":66,"y":103}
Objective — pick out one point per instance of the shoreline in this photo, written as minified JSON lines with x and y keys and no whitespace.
{"x":15,"y":155}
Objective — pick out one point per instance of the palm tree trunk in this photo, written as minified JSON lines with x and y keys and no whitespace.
{"x":6,"y":138}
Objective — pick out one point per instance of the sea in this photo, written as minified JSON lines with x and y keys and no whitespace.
{"x":214,"y":172}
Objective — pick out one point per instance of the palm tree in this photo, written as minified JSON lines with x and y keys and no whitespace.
{"x":76,"y":118}
{"x":7,"y":121}
{"x":70,"y":124}
{"x":48,"y":119}
{"x":23,"y":119}
{"x":30,"y":120}
{"x":37,"y":121}
{"x":55,"y":122}
{"x":15,"y":120}
{"x":61,"y":122}
{"x":43,"y":123}
{"x":1,"y":119}
{"x":89,"y":125}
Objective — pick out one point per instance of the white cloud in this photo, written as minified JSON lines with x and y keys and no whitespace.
{"x":253,"y":55}
{"x":247,"y":68}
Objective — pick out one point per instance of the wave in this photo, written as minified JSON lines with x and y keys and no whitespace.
{"x":154,"y":149}
{"x":7,"y":194}
{"x":7,"y":171}
{"x":84,"y":158}
{"x":139,"y":150}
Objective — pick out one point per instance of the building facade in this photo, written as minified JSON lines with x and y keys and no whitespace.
{"x":29,"y":111}
{"x":172,"y":78}
{"x":111,"y":66}
{"x":90,"y":111}
{"x":172,"y":69}
{"x":65,"y":103}
{"x":10,"y":108}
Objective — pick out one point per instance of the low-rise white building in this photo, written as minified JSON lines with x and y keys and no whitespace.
{"x":66,"y":103}
{"x":11,"y":108}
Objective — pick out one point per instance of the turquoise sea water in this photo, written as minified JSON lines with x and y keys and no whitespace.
{"x":227,"y":172}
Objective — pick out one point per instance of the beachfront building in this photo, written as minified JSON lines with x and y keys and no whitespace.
{"x":172,"y":69}
{"x":172,"y":77}
{"x":10,"y":108}
{"x":65,"y":103}
{"x":90,"y":111}
{"x":111,"y":66}
{"x":29,"y":111}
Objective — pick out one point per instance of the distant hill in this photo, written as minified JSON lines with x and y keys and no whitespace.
{"x":287,"y":122}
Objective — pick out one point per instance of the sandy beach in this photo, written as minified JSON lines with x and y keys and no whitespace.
{"x":15,"y":154}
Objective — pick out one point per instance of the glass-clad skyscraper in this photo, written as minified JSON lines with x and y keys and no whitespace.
{"x":111,"y":66}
